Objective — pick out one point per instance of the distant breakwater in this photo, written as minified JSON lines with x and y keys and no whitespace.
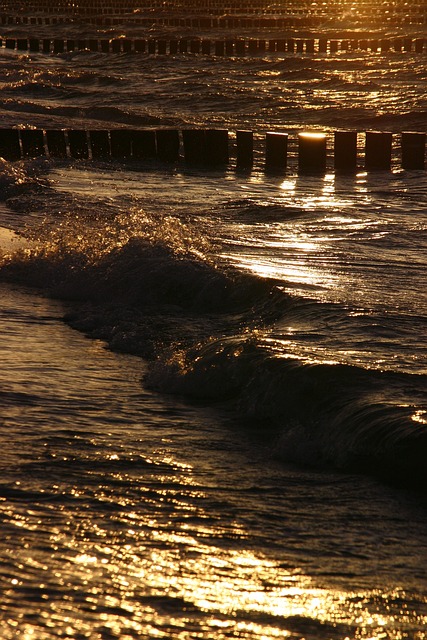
{"x":220,"y":47}
{"x":311,"y":151}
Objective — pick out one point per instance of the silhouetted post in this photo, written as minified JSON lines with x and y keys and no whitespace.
{"x":56,"y":143}
{"x":58,"y":46}
{"x":378,"y":150}
{"x":77,"y":140}
{"x":345,"y":151}
{"x":139,"y":45}
{"x":100,"y":144}
{"x":323,"y":45}
{"x":167,"y":143}
{"x":10,"y":149}
{"x":34,"y":45}
{"x":219,"y":47}
{"x":121,"y":143}
{"x":276,"y":150}
{"x":229,"y":47}
{"x":194,"y":145}
{"x":105,"y":45}
{"x":32,"y":141}
{"x":116,"y":45}
{"x":195,"y":46}
{"x":413,"y":150}
{"x":144,"y":144}
{"x":216,"y":141}
{"x":240,"y":47}
{"x":311,"y":152}
{"x":245,"y":149}
{"x":127,"y":45}
{"x":419,"y":45}
{"x":161,"y":47}
{"x":309,"y":45}
{"x":206,"y":47}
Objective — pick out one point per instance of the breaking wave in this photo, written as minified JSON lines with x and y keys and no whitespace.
{"x":150,"y":285}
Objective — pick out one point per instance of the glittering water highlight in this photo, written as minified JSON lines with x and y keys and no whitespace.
{"x":212,"y":398}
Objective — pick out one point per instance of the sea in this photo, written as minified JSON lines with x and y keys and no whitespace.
{"x":213,"y":407}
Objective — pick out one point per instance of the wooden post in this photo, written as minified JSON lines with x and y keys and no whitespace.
{"x":143,"y":144}
{"x":77,"y":141}
{"x":121,"y":143}
{"x":100,"y":144}
{"x":10,"y":148}
{"x":276,"y":150}
{"x":345,"y":151}
{"x":311,"y":152}
{"x":378,"y":150}
{"x":216,"y":141}
{"x":194,"y":145}
{"x":56,"y":143}
{"x":245,"y":149}
{"x":32,"y":141}
{"x":167,"y":143}
{"x":413,"y":150}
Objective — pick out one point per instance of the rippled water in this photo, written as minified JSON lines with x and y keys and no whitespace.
{"x":126,"y":514}
{"x":225,"y":438}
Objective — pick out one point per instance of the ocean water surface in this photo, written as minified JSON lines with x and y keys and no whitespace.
{"x":213,"y":387}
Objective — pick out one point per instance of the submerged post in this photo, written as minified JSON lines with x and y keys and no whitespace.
{"x":311,"y":152}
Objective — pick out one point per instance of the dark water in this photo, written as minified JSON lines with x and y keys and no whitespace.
{"x":248,"y":458}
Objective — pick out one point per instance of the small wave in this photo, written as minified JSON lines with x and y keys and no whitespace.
{"x":325,"y":415}
{"x":149,"y":285}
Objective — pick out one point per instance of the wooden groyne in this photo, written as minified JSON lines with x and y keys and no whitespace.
{"x":219,"y":47}
{"x":210,"y":148}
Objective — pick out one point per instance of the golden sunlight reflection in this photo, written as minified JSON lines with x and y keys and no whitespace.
{"x":154,"y":567}
{"x":219,"y":582}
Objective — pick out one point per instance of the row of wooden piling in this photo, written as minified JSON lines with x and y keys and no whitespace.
{"x":228,"y":47}
{"x":220,"y":6}
{"x":306,"y":20}
{"x":211,"y":147}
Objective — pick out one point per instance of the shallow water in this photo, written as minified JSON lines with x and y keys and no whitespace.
{"x":212,"y":399}
{"x":127,"y":514}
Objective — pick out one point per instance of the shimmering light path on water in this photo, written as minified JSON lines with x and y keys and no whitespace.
{"x":126,"y":516}
{"x":347,"y":240}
